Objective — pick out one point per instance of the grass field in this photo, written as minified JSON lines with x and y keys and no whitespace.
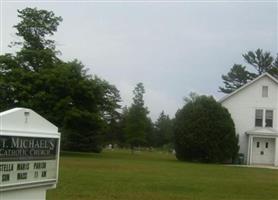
{"x":157,"y":176}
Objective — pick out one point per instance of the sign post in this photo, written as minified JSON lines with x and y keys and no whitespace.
{"x":29,"y":155}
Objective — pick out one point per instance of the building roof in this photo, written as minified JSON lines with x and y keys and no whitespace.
{"x":263,"y":132}
{"x":247,"y":84}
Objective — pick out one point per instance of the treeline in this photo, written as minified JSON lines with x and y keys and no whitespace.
{"x":85,"y":107}
{"x":136,"y":129}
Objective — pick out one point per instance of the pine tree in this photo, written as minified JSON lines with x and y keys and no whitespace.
{"x":238,"y":76}
{"x":137,"y":122}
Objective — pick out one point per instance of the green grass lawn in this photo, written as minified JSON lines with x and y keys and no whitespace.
{"x":154,"y":176}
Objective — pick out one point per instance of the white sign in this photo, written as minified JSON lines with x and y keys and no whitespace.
{"x":27,"y":161}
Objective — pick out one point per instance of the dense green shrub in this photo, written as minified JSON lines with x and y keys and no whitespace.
{"x":204,"y":131}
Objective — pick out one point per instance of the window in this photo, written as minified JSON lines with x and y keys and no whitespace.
{"x":265,"y":91}
{"x":264,"y":118}
{"x":258,"y":144}
{"x":266,"y":145}
{"x":269,"y":118}
{"x":259,"y":118}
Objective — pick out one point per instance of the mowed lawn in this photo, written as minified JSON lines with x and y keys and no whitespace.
{"x":155,"y":175}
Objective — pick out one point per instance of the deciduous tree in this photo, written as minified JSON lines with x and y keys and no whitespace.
{"x":81,"y":105}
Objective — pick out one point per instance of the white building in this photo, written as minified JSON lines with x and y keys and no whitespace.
{"x":254,"y":109}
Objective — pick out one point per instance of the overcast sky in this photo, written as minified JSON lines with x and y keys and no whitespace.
{"x":172,"y":47}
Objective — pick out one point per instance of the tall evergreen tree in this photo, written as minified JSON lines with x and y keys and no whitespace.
{"x":38,"y":51}
{"x":163,"y":131}
{"x":259,"y":60}
{"x":137,"y":123}
{"x":237,"y":77}
{"x":274,"y":69}
{"x":275,"y":63}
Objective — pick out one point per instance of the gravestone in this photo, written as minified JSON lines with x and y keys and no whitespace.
{"x":29,"y":155}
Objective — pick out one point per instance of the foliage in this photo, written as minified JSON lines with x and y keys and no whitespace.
{"x":238,"y":76}
{"x":261,"y":61}
{"x":35,"y":25}
{"x":38,"y":51}
{"x":83,"y":131}
{"x":137,"y":124}
{"x":163,"y":131}
{"x":63,"y":92}
{"x":204,"y":131}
